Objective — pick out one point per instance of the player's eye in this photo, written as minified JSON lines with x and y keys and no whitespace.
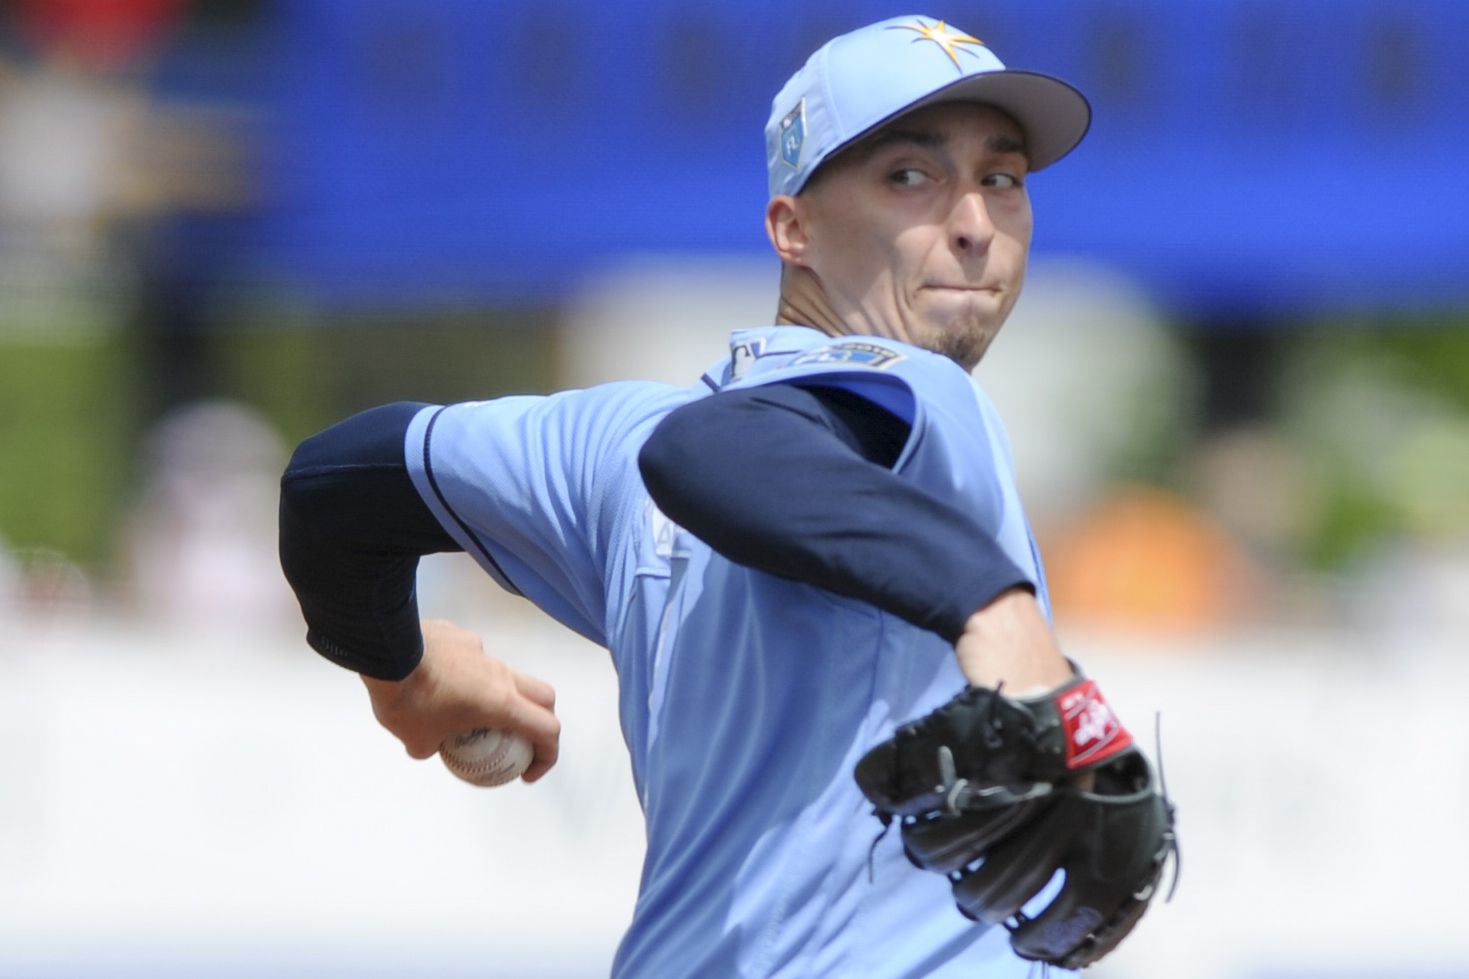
{"x":907,"y":177}
{"x":1004,"y":181}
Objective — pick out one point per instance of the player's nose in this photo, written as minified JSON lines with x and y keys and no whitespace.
{"x":970,"y":227}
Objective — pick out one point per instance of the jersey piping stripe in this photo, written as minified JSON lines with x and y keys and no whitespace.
{"x":433,"y":482}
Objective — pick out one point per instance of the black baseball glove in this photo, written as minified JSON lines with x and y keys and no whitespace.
{"x":998,"y":794}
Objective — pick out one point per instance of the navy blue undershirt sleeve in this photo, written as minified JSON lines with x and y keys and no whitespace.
{"x":800,"y":486}
{"x":797,"y":482}
{"x":352,"y":528}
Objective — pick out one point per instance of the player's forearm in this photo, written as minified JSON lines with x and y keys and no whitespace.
{"x":352,"y":529}
{"x":776,"y":479}
{"x":1009,"y":641}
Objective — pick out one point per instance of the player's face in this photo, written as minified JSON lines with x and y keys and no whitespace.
{"x":921,"y":231}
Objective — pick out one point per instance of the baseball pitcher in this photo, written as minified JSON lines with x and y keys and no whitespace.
{"x":810,"y":567}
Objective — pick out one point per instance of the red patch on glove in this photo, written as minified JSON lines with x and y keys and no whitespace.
{"x":1093,"y":732}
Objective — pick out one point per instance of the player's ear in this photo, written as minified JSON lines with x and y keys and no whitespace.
{"x":785,"y":224}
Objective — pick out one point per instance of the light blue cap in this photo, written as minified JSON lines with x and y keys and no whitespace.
{"x":857,"y":81}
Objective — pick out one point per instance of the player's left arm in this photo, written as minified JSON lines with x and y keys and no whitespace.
{"x":798,"y":481}
{"x":995,"y":790}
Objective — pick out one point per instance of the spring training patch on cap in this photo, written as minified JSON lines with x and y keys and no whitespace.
{"x":940,"y":34}
{"x":793,"y":135}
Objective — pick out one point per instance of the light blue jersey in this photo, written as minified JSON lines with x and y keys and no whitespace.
{"x":745,"y":699}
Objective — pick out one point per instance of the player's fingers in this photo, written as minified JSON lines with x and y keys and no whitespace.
{"x":537,"y":768}
{"x":419,"y":749}
{"x":541,"y":763}
{"x":548,"y":750}
{"x":541,"y":727}
{"x":535,"y":690}
{"x":545,"y":735}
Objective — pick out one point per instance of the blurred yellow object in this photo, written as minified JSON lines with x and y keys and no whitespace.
{"x":1145,"y":558}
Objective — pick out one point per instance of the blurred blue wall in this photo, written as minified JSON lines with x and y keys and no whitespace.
{"x":1246,"y":156}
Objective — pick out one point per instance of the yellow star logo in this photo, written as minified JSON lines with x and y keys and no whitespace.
{"x":940,"y":34}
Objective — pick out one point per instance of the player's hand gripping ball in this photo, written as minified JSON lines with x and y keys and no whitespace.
{"x":988,"y":793}
{"x":486,"y":757}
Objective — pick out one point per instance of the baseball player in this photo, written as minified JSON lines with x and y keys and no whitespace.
{"x":810,"y":566}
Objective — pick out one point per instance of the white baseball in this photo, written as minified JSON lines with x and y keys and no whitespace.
{"x":486,"y":757}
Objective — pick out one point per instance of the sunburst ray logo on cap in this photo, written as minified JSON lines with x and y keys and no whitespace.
{"x":940,"y":34}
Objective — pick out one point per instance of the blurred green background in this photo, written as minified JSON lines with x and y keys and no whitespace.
{"x":301,"y":210}
{"x":74,"y":399}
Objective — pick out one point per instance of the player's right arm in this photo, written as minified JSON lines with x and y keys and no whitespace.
{"x":352,"y":530}
{"x":456,"y":688}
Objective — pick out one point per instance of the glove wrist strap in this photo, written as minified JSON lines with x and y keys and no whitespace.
{"x":1092,"y":732}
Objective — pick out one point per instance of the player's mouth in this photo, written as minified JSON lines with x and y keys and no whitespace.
{"x":944,"y":287}
{"x":962,"y":290}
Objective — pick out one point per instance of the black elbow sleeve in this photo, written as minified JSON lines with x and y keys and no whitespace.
{"x":352,"y":528}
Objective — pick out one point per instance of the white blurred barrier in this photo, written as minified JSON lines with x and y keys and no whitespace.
{"x":1322,"y":788}
{"x":180,"y":807}
{"x":170,"y":804}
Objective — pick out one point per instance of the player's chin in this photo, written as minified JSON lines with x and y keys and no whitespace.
{"x":964,"y":344}
{"x":960,"y":326}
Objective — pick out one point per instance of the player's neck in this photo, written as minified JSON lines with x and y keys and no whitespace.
{"x":806,"y":307}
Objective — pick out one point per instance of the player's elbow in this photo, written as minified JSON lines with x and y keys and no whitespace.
{"x":317,"y":481}
{"x":312,"y":500}
{"x":332,"y":472}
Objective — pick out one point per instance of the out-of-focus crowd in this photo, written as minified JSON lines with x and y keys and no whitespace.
{"x":97,"y":173}
{"x":1336,"y":499}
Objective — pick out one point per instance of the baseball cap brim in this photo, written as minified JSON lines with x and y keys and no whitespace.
{"x":1053,"y":115}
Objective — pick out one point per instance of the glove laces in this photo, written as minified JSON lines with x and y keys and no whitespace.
{"x":887,"y":824}
{"x":1171,"y":850}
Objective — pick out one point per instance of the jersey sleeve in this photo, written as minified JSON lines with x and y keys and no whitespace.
{"x":956,"y":449}
{"x":539,"y":490}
